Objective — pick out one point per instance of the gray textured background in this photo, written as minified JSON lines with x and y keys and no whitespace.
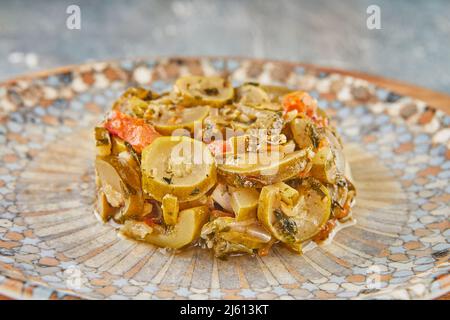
{"x":413,"y":44}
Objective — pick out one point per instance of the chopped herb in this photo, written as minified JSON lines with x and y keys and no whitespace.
{"x":168,"y":180}
{"x":212,"y":91}
{"x":341,"y":182}
{"x":288,"y":225}
{"x":313,"y":135}
{"x":335,"y":204}
{"x":316,"y":186}
{"x":133,"y":152}
{"x":195,"y":192}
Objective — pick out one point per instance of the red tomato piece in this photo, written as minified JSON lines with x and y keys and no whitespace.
{"x":218,"y":147}
{"x":304,"y":104}
{"x":135,"y":131}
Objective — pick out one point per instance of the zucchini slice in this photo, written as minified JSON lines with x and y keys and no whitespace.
{"x":305,"y":133}
{"x":199,"y":90}
{"x":170,"y":209}
{"x":184,"y":232}
{"x":303,"y":220}
{"x":121,"y":185}
{"x":172,"y":118}
{"x":258,"y":170}
{"x":102,"y":141}
{"x":228,"y":236}
{"x":177,"y":165}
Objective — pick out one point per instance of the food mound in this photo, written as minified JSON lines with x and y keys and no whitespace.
{"x":235,"y":170}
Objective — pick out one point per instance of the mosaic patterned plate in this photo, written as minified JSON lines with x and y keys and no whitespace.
{"x":52,"y":246}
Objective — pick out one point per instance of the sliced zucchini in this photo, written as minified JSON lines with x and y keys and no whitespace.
{"x":202,"y":201}
{"x":121,"y":185}
{"x":228,"y":236}
{"x":324,"y":165}
{"x":304,"y":219}
{"x":137,"y":230}
{"x":275,"y":92}
{"x":170,"y":209}
{"x":199,"y":90}
{"x":244,"y":202}
{"x":102,"y":141}
{"x":177,"y":165}
{"x":255,"y":96}
{"x":260,"y":169}
{"x":184,"y":232}
{"x":305,"y":133}
{"x":118,"y":145}
{"x":173,"y":118}
{"x":103,"y":209}
{"x":136,"y":106}
{"x":288,"y":194}
{"x":335,"y":144}
{"x":134,"y":101}
{"x":251,"y":95}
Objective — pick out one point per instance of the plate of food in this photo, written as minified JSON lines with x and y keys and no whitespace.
{"x":220,"y":178}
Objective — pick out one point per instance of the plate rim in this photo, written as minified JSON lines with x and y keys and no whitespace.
{"x":441,"y":103}
{"x":435,"y":99}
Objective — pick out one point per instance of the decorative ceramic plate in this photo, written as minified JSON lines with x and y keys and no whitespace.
{"x":52,"y":246}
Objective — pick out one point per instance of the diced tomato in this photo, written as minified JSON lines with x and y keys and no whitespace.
{"x":342,"y":213}
{"x":135,"y":131}
{"x":219,"y":147}
{"x":300,"y":101}
{"x":264,"y":251}
{"x":151,"y":221}
{"x":325,"y":231}
{"x":304,"y":104}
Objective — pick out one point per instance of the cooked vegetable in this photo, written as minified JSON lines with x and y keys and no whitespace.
{"x":174,"y":117}
{"x":134,"y":101}
{"x":170,"y":209}
{"x":133,"y":130}
{"x":102,"y":141}
{"x":222,"y":196}
{"x":342,"y":195}
{"x":136,"y":229}
{"x":257,"y":170}
{"x":202,"y":201}
{"x":334,"y":143}
{"x":228,"y":236}
{"x":288,"y":194}
{"x":295,"y":224}
{"x":118,"y":145}
{"x":244,"y":202}
{"x":121,"y":185}
{"x":324,"y":165}
{"x":253,"y":95}
{"x":305,"y":133}
{"x":184,"y":232}
{"x":306,"y":105}
{"x":275,"y":93}
{"x":178,"y":165}
{"x":196,"y":90}
{"x":219,"y":147}
{"x":238,"y":169}
{"x":103,"y":209}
